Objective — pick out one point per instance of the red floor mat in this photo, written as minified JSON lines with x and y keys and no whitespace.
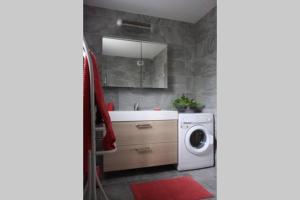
{"x":181,"y":188}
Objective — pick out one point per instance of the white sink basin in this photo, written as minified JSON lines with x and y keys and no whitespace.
{"x":143,"y":115}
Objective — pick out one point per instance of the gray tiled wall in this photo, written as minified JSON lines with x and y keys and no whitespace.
{"x":180,"y":38}
{"x":204,"y":61}
{"x":191,"y":56}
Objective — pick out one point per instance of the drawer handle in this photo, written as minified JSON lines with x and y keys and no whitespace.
{"x":143,"y":150}
{"x":143,"y":126}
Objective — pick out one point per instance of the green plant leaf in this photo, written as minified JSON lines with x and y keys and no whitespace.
{"x":184,"y":102}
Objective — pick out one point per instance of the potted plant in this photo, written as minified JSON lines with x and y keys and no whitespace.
{"x":185,"y":104}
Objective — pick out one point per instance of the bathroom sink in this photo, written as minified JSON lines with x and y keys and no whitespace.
{"x":119,"y":116}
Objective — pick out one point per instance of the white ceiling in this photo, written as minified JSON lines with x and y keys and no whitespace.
{"x":130,"y":48}
{"x":182,"y":10}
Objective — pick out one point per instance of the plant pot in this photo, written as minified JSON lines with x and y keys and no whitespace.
{"x":198,"y":109}
{"x":181,"y":109}
{"x":189,"y":110}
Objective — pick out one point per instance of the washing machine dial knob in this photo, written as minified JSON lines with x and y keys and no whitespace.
{"x":184,"y":126}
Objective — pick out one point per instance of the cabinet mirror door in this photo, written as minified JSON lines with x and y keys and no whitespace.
{"x":133,"y":63}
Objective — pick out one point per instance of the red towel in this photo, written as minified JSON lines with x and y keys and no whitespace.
{"x":109,"y":139}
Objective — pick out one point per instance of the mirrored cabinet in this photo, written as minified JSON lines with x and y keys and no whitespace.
{"x":134,"y":63}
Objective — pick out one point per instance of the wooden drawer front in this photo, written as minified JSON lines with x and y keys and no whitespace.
{"x":137,"y":156}
{"x":142,"y":132}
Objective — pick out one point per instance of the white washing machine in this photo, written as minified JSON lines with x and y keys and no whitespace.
{"x":195,"y":140}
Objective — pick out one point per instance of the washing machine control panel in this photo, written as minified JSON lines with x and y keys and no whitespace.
{"x":199,"y":121}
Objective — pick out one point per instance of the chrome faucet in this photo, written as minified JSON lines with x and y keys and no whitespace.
{"x":136,"y":106}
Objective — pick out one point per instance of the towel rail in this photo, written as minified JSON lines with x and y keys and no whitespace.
{"x":93,"y":180}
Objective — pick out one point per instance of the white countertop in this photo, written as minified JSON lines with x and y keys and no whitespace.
{"x":143,"y":115}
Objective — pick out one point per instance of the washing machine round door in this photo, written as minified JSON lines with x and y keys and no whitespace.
{"x":197,"y":139}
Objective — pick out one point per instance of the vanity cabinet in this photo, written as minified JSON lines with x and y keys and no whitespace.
{"x":143,"y":144}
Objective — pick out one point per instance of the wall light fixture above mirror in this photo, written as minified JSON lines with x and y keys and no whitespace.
{"x":134,"y":63}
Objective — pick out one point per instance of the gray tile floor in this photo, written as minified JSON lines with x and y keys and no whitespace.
{"x":117,"y":184}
